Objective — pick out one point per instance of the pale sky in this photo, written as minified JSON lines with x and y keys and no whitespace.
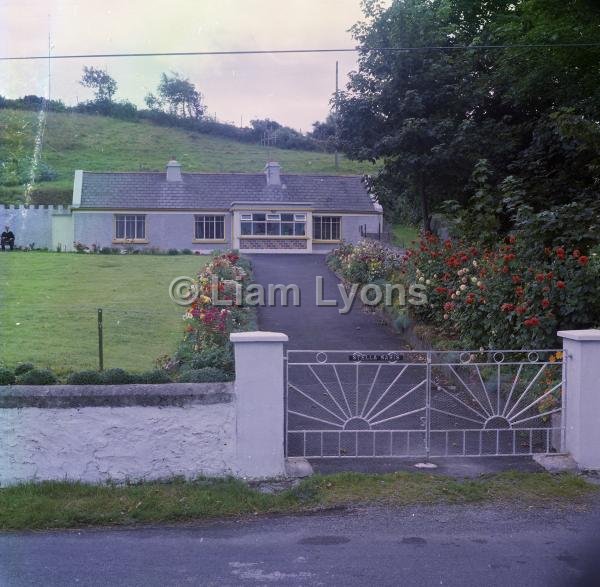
{"x":293,"y":89}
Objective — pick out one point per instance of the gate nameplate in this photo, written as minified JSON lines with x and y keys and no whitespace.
{"x":375,"y":357}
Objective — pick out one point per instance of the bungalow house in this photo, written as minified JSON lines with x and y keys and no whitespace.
{"x":253,"y":212}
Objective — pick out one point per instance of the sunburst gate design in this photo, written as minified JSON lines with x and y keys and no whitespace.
{"x":382,"y":404}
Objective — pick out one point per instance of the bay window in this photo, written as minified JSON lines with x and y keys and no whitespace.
{"x":273,"y":224}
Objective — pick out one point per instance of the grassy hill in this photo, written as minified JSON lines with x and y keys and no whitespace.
{"x":98,"y":143}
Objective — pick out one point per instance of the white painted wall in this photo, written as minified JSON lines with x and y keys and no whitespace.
{"x":95,"y":444}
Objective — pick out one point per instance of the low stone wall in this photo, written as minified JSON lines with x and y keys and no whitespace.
{"x":119,"y":433}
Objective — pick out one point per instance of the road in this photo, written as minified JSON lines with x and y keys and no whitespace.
{"x":441,"y":545}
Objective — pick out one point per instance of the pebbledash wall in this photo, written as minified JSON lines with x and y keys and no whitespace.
{"x":49,"y":227}
{"x":144,"y":432}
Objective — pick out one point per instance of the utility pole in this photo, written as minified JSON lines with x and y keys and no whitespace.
{"x":336,"y":109}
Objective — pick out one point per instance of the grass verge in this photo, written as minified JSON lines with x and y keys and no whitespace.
{"x":67,"y":505}
{"x":404,"y":234}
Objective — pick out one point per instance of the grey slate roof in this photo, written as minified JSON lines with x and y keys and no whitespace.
{"x":218,"y":191}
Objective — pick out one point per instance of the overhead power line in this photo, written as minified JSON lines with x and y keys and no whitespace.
{"x":286,"y":51}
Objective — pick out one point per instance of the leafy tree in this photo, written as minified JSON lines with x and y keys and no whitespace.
{"x":104,"y":85}
{"x":431,"y":117}
{"x":177,"y":96}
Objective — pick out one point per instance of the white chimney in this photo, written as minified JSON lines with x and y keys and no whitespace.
{"x":173,"y":171}
{"x":272,"y":171}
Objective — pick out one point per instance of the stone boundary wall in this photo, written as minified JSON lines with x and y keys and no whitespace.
{"x":100,"y":433}
{"x":116,"y":433}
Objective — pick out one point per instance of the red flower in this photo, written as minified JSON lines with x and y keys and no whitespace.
{"x":532,"y":322}
{"x":520,"y":310}
{"x":560,"y":284}
{"x":448,"y":306}
{"x":576,"y":253}
{"x":516,"y":279}
{"x":448,"y":244}
{"x":441,"y":290}
{"x":507,"y":307}
{"x":545,"y":303}
{"x":560,"y":253}
{"x":583,"y":260}
{"x":540,"y":277}
{"x":519,"y":291}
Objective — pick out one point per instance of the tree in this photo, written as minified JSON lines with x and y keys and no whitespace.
{"x":177,"y":96}
{"x":431,"y":116}
{"x":104,"y":85}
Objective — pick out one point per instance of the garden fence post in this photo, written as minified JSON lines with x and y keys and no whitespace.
{"x":581,"y":409}
{"x":259,"y":390}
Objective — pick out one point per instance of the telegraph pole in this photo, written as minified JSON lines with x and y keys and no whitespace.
{"x":336,"y":109}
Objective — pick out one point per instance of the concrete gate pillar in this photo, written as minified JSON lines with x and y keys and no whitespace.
{"x":259,"y":403}
{"x":582,"y":396}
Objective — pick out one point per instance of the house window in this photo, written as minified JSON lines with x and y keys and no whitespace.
{"x":326,"y":228}
{"x":130,"y":227}
{"x":209,"y":228}
{"x":273,"y":224}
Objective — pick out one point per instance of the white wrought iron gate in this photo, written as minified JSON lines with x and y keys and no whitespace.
{"x":423,"y":403}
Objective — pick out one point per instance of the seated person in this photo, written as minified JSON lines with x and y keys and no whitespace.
{"x":7,"y":238}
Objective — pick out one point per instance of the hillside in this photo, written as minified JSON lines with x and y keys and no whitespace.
{"x":98,"y":143}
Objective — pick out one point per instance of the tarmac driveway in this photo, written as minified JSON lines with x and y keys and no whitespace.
{"x":312,"y":326}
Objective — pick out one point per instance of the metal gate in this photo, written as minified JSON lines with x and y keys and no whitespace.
{"x":423,"y":403}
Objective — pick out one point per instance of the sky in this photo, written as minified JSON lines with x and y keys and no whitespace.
{"x":292,"y":89}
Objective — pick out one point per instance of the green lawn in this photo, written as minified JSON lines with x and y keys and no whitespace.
{"x":49,"y":302}
{"x":67,"y":505}
{"x":404,"y":234}
{"x":100,"y":143}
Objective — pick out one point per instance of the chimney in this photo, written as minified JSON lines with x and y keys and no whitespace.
{"x":173,"y":171}
{"x":272,"y":169}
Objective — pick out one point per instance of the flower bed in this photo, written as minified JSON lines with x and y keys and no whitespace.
{"x":503,"y":297}
{"x":206,"y":350}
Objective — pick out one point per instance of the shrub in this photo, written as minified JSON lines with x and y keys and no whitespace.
{"x":204,"y":375}
{"x":37,"y":377}
{"x":186,"y":252}
{"x":7,"y":377}
{"x":117,"y":377}
{"x":172,"y":252}
{"x":23,"y":368}
{"x":156,"y":376}
{"x":85,"y":378}
{"x":217,"y":357}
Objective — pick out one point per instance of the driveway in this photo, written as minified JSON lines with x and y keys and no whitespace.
{"x":427,"y":545}
{"x":311,"y":326}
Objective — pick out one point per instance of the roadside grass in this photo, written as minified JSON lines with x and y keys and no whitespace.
{"x":404,"y":234}
{"x":68,"y":505}
{"x":49,"y":302}
{"x":100,"y":143}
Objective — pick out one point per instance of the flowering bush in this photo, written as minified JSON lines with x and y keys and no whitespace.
{"x":501,"y":297}
{"x":366,"y":262}
{"x":209,"y":324}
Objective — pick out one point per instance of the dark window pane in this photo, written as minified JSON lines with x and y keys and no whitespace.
{"x":120,"y":227}
{"x":141,"y":227}
{"x":258,"y":227}
{"x":258,"y":217}
{"x":287,"y":228}
{"x":220,"y":227}
{"x":246,"y":227}
{"x":300,"y":228}
{"x":287,"y":217}
{"x":273,"y":228}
